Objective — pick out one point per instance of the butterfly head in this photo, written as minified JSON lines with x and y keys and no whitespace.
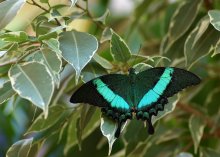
{"x":132,"y":71}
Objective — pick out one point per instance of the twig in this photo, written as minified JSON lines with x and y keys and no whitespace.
{"x":46,"y":10}
{"x":99,"y":24}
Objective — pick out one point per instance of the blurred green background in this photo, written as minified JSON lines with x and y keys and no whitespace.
{"x":179,"y":33}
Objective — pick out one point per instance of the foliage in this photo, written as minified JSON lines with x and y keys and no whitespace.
{"x":48,"y":52}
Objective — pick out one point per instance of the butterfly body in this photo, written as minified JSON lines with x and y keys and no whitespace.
{"x":141,"y":94}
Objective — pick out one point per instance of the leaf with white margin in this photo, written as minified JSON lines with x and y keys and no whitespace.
{"x":6,"y":92}
{"x":102,"y":61}
{"x":53,"y":62}
{"x":53,"y":44}
{"x":167,"y":108}
{"x":33,"y":82}
{"x":8,"y":10}
{"x":20,"y":148}
{"x":119,"y":49}
{"x":2,"y":53}
{"x":184,"y":154}
{"x":77,"y":49}
{"x":217,"y":49}
{"x":214,"y":16}
{"x":196,"y":126}
{"x":108,"y":128}
{"x":73,"y":2}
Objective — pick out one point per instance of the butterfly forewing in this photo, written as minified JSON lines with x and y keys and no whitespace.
{"x":105,"y":91}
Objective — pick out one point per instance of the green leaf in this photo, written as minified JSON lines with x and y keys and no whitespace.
{"x":6,"y":92}
{"x":103,"y":62}
{"x":44,"y":1}
{"x":196,"y":126}
{"x":167,"y":109}
{"x":77,"y":49}
{"x":195,"y":50}
{"x":119,"y":49}
{"x":106,"y":35}
{"x":214,"y":16}
{"x":86,"y":114}
{"x":71,"y":132}
{"x":8,"y":10}
{"x":182,"y":19}
{"x":20,"y":148}
{"x":52,"y":33}
{"x":141,"y":67}
{"x":108,"y":128}
{"x":14,"y":37}
{"x":92,"y":70}
{"x":208,"y":152}
{"x":53,"y":62}
{"x":33,"y":81}
{"x":103,"y":17}
{"x":41,"y":124}
{"x":217,"y":49}
{"x":53,"y":44}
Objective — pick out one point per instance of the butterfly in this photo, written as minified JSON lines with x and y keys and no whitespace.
{"x":122,"y":97}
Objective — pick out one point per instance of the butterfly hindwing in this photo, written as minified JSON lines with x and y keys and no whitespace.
{"x":162,"y":83}
{"x":111,"y":93}
{"x":144,"y":93}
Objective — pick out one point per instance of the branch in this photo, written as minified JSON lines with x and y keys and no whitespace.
{"x":46,"y":10}
{"x":99,"y":24}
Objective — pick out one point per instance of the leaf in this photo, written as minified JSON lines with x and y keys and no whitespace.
{"x":71,"y":132}
{"x":182,"y":19}
{"x":52,"y":61}
{"x":73,"y":2}
{"x":103,"y":17}
{"x":106,"y":35}
{"x":14,"y":37}
{"x":86,"y":114}
{"x":194,"y":51}
{"x":196,"y":126}
{"x":217,"y":49}
{"x":53,"y":44}
{"x":20,"y":148}
{"x":119,"y":49}
{"x":8,"y":10}
{"x":92,"y":70}
{"x":141,"y":67}
{"x":6,"y":92}
{"x":208,"y":152}
{"x":44,"y":1}
{"x":167,"y":109}
{"x":77,"y":49}
{"x":108,"y":128}
{"x":41,"y":124}
{"x":214,"y":16}
{"x":102,"y":61}
{"x":52,"y":33}
{"x":2,"y":53}
{"x":33,"y":81}
{"x":184,"y":154}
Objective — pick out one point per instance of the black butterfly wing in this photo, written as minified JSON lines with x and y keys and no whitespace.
{"x":156,"y":85}
{"x":88,"y":92}
{"x":111,"y":93}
